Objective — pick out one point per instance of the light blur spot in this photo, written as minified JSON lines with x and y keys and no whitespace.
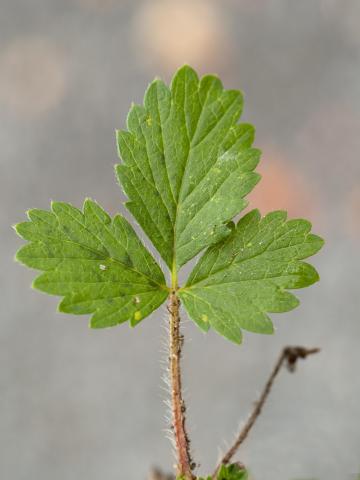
{"x":32,"y":76}
{"x":282,"y":187}
{"x":171,"y":33}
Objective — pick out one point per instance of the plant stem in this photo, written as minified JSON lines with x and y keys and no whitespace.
{"x":182,"y":443}
{"x":291,"y":356}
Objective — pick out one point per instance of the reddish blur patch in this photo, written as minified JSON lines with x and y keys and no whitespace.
{"x":283,"y":187}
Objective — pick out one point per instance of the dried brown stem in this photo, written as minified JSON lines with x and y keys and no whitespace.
{"x":182,"y":443}
{"x":290,"y":355}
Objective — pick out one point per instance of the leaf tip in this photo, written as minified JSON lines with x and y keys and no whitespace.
{"x":118,"y":138}
{"x":316,"y":276}
{"x":54,"y":205}
{"x":17,"y":257}
{"x":295,"y":302}
{"x":16,"y":227}
{"x":35,"y":284}
{"x":257,"y":176}
{"x":237,"y":340}
{"x":185,"y":68}
{"x":62,"y":306}
{"x":88,"y":203}
{"x":319,"y":240}
{"x":95,"y":323}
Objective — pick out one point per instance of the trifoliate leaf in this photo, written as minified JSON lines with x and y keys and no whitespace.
{"x":97,"y":264}
{"x":187,"y":164}
{"x":239,"y":280}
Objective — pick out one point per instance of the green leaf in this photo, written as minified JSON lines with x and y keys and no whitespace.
{"x":187,"y":164}
{"x":240,"y":279}
{"x":227,"y":472}
{"x":97,"y":264}
{"x":232,"y":472}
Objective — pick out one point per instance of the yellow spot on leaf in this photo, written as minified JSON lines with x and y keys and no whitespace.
{"x":137,"y":315}
{"x":149,"y":121}
{"x":204,"y":318}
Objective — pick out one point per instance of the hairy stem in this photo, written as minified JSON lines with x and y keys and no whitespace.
{"x":290,"y":355}
{"x":182,"y":443}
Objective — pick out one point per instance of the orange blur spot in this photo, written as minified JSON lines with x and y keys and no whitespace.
{"x":282,"y":187}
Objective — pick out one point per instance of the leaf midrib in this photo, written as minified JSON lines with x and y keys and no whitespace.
{"x":276,"y":238}
{"x":191,"y":146}
{"x":104,"y":257}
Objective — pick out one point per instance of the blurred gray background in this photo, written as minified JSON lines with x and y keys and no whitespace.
{"x":81,"y":404}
